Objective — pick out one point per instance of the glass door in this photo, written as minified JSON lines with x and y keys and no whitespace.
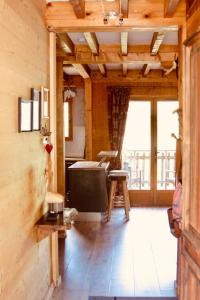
{"x":149,"y":151}
{"x":137,"y":154}
{"x":167,"y":131}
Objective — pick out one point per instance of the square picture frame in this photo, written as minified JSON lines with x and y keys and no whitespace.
{"x":25,"y":115}
{"x":36,"y":109}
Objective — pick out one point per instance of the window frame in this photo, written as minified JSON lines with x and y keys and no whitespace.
{"x":70,"y":119}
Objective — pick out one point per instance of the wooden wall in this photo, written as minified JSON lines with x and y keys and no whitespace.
{"x":24,"y":263}
{"x":155,"y":87}
{"x":100,"y":137}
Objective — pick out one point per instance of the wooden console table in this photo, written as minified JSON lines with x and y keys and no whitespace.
{"x":50,"y":229}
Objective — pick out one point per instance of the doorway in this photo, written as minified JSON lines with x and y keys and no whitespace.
{"x":149,"y":151}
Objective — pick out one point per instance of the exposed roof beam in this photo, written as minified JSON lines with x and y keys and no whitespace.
{"x":124,"y":8}
{"x":125,"y":69}
{"x":79,"y":8}
{"x":135,"y":78}
{"x":170,"y":7}
{"x":61,"y":18}
{"x":114,"y":57}
{"x":131,"y":48}
{"x":92,"y":42}
{"x":82,"y":69}
{"x":145,"y":70}
{"x":65,"y":43}
{"x":156,"y":42}
{"x":102,"y":69}
{"x":124,"y":43}
{"x":168,"y":67}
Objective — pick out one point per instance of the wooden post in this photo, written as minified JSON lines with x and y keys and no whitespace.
{"x":88,"y":118}
{"x":60,"y":130}
{"x":52,"y":93}
{"x":54,"y":259}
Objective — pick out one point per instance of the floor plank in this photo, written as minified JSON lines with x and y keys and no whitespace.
{"x":119,"y":258}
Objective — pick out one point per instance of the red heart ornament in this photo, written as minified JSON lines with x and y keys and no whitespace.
{"x":49,"y":148}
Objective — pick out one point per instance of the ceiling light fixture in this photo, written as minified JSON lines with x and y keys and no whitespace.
{"x":111,"y":15}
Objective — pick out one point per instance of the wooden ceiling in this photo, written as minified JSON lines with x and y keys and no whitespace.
{"x":85,"y":17}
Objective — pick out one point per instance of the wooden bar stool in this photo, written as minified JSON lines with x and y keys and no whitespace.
{"x":118,"y":176}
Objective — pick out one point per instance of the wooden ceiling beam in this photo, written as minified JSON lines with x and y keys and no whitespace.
{"x":170,"y":7}
{"x":102,"y":69}
{"x":124,"y":8}
{"x":92,"y":42}
{"x":131,"y":48}
{"x":156,"y":42}
{"x":135,"y":78}
{"x":168,"y":67}
{"x":125,"y":69}
{"x":60,"y":17}
{"x":145,"y":70}
{"x":79,"y":8}
{"x":65,"y":43}
{"x":124,"y":43}
{"x":116,"y":58}
{"x":83,"y":70}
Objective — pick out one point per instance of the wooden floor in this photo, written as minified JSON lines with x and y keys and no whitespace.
{"x":135,"y":258}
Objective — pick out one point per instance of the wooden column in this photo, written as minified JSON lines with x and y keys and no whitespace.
{"x":88,"y":118}
{"x":60,"y":130}
{"x":52,"y":96}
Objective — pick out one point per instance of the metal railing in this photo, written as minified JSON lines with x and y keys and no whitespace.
{"x":138,"y":164}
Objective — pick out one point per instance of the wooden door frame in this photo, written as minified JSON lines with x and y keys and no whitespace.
{"x":140,"y":197}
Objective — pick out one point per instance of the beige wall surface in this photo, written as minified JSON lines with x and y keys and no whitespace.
{"x":24,"y":263}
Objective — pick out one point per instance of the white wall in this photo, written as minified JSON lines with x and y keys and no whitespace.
{"x":76,"y":147}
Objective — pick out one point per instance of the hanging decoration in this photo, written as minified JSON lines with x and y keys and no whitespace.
{"x":49,"y":147}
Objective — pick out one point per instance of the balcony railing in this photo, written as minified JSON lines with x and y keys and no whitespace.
{"x":138,"y":164}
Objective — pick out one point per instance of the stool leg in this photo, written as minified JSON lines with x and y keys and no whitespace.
{"x":111,"y":197}
{"x":126,"y":199}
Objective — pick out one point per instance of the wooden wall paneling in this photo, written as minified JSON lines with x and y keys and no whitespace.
{"x":190,"y":249}
{"x":182,"y":101}
{"x":100,"y":135}
{"x":52,"y":94}
{"x":24,"y":263}
{"x":88,"y":118}
{"x":60,"y":130}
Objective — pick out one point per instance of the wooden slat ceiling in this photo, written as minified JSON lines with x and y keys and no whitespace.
{"x":140,"y":42}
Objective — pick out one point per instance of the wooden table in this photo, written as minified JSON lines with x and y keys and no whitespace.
{"x":50,"y":229}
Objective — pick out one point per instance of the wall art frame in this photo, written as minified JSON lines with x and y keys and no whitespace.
{"x":25,"y":115}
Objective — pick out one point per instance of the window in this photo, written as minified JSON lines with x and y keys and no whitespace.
{"x":68,"y":126}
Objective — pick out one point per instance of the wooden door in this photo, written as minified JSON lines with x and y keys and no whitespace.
{"x":189,"y":244}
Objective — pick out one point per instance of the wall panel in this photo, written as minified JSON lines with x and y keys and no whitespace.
{"x":24,"y":263}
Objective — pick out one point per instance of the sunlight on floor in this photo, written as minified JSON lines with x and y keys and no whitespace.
{"x":120,"y":258}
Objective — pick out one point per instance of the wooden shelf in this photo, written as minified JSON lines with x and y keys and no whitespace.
{"x":59,"y":224}
{"x":46,"y":228}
